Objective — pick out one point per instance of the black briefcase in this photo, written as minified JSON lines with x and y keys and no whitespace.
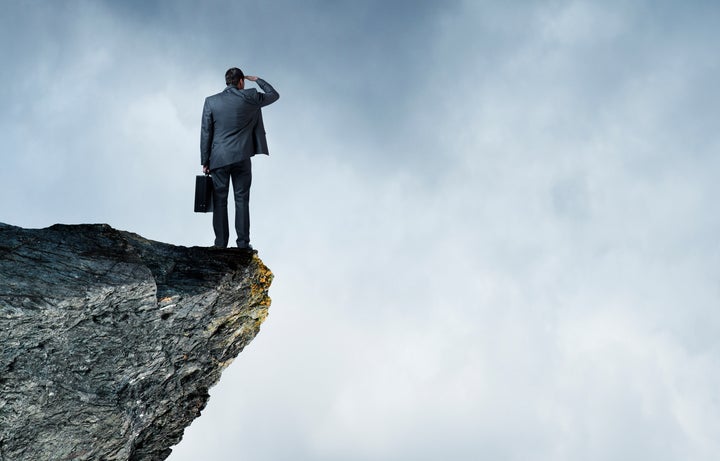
{"x":203,"y":194}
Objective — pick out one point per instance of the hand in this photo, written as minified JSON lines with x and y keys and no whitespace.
{"x":252,"y":78}
{"x":206,"y":169}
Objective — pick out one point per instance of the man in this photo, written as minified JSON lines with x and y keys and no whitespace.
{"x":232,"y":132}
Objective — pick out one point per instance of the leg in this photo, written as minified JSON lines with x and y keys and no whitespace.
{"x":221,"y":183}
{"x":241,"y":179}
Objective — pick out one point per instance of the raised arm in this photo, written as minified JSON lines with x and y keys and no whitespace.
{"x":269,"y":96}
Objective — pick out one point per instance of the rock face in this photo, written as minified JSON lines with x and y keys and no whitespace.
{"x":111,"y":341}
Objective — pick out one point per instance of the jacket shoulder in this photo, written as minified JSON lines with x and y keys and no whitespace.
{"x":210,"y":100}
{"x":214,"y":97}
{"x":250,"y":94}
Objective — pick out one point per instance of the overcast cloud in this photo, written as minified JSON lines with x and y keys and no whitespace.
{"x":493,"y":225}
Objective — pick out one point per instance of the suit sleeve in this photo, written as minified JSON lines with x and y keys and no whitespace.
{"x":269,"y":96}
{"x":206,"y":134}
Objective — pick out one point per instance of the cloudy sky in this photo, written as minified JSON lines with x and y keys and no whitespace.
{"x":493,"y":225}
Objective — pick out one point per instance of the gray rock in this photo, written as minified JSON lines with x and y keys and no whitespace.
{"x":111,"y":341}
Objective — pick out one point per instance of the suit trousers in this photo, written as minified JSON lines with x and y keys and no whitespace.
{"x":241,"y":175}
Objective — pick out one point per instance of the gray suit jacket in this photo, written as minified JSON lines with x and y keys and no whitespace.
{"x":232,"y":125}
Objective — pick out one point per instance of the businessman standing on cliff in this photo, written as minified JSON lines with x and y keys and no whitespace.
{"x":232,"y":131}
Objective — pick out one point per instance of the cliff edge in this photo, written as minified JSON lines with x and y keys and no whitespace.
{"x":111,"y":341}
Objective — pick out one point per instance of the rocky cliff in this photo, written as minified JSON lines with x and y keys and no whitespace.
{"x":111,"y":341}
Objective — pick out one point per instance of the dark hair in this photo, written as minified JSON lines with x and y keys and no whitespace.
{"x":233,"y":76}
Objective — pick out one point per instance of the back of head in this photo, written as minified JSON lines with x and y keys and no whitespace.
{"x":233,"y":76}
